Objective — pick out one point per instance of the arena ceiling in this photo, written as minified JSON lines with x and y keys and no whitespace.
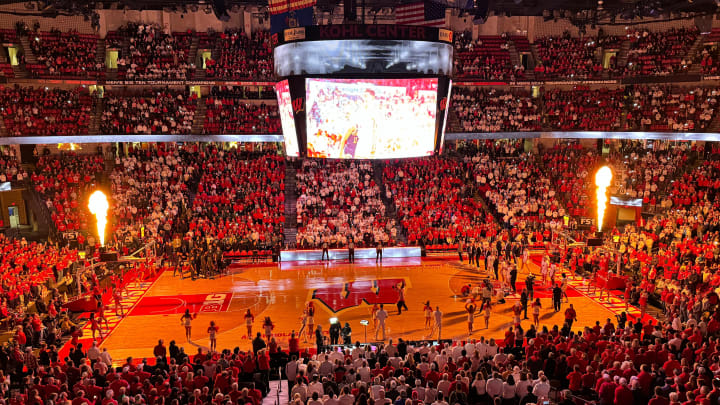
{"x":602,"y":8}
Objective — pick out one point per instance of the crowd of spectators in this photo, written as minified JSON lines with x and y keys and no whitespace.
{"x":566,"y":57}
{"x":10,"y":168}
{"x":583,"y":109}
{"x":151,"y":112}
{"x":517,"y":191}
{"x":570,"y":169}
{"x":338,"y":202}
{"x":708,"y":59}
{"x":234,"y":115}
{"x":156,"y":55}
{"x":65,"y":54}
{"x":665,"y":108}
{"x":242,"y":56}
{"x":434,"y":199}
{"x":150,"y":192}
{"x":28,"y":111}
{"x":486,"y":58}
{"x":64,"y":182}
{"x":240,"y":199}
{"x":647,"y":173}
{"x":660,"y":53}
{"x":495,"y":110}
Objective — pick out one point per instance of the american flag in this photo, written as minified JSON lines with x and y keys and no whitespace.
{"x":427,"y":13}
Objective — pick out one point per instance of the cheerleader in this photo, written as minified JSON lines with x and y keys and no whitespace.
{"x":525,"y":259}
{"x":186,"y":320}
{"x":427,"y":309}
{"x":117,"y":297}
{"x":268,"y":326}
{"x":544,"y":267}
{"x":212,"y":331}
{"x":100,"y":316}
{"x":249,"y":319}
{"x":303,"y":324}
{"x":470,"y":308}
{"x":373,"y":315}
{"x":95,"y":326}
{"x":536,"y":312}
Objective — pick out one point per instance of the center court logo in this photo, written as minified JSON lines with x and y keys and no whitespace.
{"x":338,"y":297}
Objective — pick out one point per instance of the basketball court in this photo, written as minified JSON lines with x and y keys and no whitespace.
{"x":339,"y":289}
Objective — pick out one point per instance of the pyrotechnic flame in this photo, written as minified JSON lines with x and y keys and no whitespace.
{"x":98,"y":205}
{"x":602,"y":181}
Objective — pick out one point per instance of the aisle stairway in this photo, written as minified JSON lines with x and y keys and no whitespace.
{"x":290,"y":229}
{"x":95,"y":121}
{"x":30,"y":57}
{"x":192,"y":54}
{"x":390,"y":209}
{"x":199,"y":118}
{"x":100,"y":51}
{"x":622,"y":56}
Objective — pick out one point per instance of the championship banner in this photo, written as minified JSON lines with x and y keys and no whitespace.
{"x":290,"y":14}
{"x":295,"y":18}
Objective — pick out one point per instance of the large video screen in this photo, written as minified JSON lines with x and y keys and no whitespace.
{"x":286,"y":118}
{"x":371,"y":118}
{"x":360,"y":56}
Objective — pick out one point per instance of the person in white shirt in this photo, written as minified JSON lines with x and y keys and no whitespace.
{"x":479,"y":384}
{"x":326,"y":367}
{"x":299,"y":390}
{"x":430,"y":393}
{"x":346,"y":398}
{"x":542,"y":388}
{"x":438,"y":321}
{"x":509,"y":389}
{"x":380,"y":398}
{"x":381,"y":315}
{"x":316,"y":386}
{"x":444,"y":385}
{"x":93,"y":352}
{"x":365,"y":373}
{"x":522,"y":385}
{"x":315,"y":400}
{"x":376,"y":387}
{"x":494,"y":386}
{"x":105,"y":357}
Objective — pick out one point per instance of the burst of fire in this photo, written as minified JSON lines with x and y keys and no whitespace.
{"x":602,"y":181}
{"x":98,"y":205}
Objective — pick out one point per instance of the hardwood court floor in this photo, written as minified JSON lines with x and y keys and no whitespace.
{"x":339,"y":289}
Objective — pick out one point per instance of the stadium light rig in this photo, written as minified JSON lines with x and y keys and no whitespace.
{"x":602,"y":182}
{"x":98,"y":206}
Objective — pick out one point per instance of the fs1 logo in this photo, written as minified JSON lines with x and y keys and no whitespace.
{"x":298,"y":105}
{"x":342,"y":296}
{"x":443,"y":104}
